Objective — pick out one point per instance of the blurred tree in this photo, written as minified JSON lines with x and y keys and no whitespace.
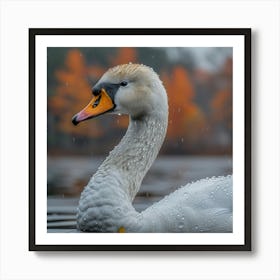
{"x":72,"y":94}
{"x":221,"y":104}
{"x":123,"y":56}
{"x":222,"y":101}
{"x":185,"y":117}
{"x":200,"y":100}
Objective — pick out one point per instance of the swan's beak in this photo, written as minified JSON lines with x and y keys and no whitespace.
{"x":99,"y":104}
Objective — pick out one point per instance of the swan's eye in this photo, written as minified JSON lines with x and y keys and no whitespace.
{"x":124,"y":83}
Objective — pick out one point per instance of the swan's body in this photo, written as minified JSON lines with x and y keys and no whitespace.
{"x":106,"y":202}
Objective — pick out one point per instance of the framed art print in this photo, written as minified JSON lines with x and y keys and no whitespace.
{"x":140,"y":139}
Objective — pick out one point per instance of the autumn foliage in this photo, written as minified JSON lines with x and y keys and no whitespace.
{"x":188,"y":121}
{"x":185,"y":116}
{"x":72,"y":94}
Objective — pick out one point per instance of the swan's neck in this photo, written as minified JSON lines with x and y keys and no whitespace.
{"x":132,"y":158}
{"x":105,"y":204}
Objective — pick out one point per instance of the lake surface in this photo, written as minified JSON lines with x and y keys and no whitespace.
{"x":68,"y":175}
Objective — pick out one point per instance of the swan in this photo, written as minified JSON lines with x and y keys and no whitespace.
{"x":105,"y":204}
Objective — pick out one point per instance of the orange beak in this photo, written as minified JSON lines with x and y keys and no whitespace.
{"x":99,"y":105}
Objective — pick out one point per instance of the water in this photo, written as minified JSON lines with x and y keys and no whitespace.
{"x":68,"y":175}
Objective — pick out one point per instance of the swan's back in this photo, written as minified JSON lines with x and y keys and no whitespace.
{"x":202,"y":206}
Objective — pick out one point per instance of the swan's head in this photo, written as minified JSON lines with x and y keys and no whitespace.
{"x":131,"y":89}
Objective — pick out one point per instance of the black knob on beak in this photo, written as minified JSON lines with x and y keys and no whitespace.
{"x":96,"y":91}
{"x":74,"y":120}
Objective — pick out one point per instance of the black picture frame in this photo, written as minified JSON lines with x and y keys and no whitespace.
{"x":246,"y":33}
